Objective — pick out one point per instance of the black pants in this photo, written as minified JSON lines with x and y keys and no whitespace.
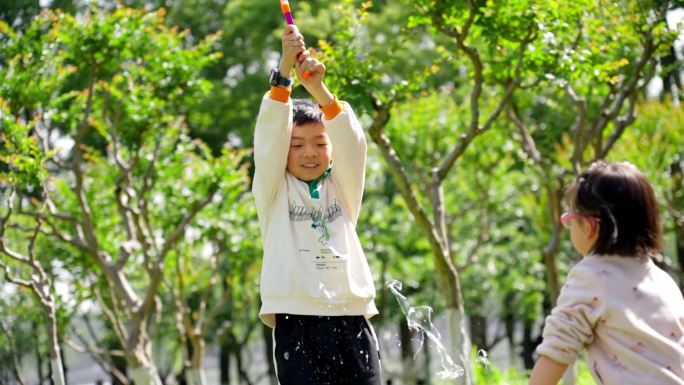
{"x":321,"y":350}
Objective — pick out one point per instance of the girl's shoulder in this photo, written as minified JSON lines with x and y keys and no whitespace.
{"x":609,"y":271}
{"x":617,"y":262}
{"x":634,"y":275}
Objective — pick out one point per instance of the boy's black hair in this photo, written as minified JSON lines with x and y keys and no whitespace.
{"x":623,"y":200}
{"x":305,"y":111}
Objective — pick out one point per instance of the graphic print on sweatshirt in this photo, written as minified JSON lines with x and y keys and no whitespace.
{"x":319,"y":219}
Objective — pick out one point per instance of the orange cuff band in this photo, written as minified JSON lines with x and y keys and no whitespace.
{"x":280,"y":94}
{"x":332,"y":110}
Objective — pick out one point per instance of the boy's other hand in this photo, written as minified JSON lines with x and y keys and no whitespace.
{"x":293,"y":44}
{"x":314,"y":82}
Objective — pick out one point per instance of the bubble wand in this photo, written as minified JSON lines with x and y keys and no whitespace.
{"x":287,"y":14}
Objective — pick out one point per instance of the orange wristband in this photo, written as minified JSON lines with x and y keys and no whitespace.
{"x":280,"y":94}
{"x":331,"y":110}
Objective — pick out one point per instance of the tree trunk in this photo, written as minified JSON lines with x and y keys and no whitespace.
{"x":478,"y":331}
{"x":139,"y":355}
{"x":458,"y":343}
{"x":554,"y":196}
{"x":509,"y":321}
{"x":671,"y":80}
{"x":39,"y":359}
{"x":679,"y":239}
{"x":242,"y":374}
{"x":56,"y":366}
{"x":267,"y":333}
{"x":145,"y":374}
{"x":195,"y":373}
{"x":427,"y":374}
{"x":408,"y":375}
{"x":528,"y":345}
{"x":122,"y":366}
{"x":458,"y":339}
{"x":195,"y":376}
{"x":65,"y":369}
{"x":224,"y":363}
{"x":677,"y":175}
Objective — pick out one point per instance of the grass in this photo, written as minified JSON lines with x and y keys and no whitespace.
{"x":493,"y":376}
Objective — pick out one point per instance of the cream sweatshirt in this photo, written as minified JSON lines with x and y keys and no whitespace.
{"x":627,"y":313}
{"x":313,"y":263}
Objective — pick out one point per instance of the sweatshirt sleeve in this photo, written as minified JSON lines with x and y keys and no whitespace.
{"x":570,"y":326}
{"x":271,"y":145}
{"x":349,"y":158}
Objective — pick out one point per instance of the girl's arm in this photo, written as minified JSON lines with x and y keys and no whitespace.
{"x":547,"y":371}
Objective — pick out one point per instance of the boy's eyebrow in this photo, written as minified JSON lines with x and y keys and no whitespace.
{"x":302,"y":138}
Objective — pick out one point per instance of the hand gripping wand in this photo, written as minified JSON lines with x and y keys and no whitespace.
{"x":287,"y":14}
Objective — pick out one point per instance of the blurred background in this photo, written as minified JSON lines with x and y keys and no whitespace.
{"x":129,"y":245}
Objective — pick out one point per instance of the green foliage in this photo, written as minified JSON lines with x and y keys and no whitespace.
{"x":21,"y":162}
{"x":107,"y":99}
{"x":134,"y":89}
{"x":374,"y":58}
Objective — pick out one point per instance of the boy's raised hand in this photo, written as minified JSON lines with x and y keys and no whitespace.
{"x":314,"y":81}
{"x":293,"y":44}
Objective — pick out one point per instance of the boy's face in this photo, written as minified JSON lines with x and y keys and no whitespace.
{"x":310,"y":151}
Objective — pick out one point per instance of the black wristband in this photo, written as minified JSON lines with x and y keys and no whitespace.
{"x":276,"y":80}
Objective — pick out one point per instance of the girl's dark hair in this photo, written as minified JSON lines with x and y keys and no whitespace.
{"x":305,"y":111}
{"x":623,"y":200}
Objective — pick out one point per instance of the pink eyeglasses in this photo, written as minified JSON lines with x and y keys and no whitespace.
{"x":566,"y":218}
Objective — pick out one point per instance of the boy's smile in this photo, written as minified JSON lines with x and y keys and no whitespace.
{"x":310,"y":151}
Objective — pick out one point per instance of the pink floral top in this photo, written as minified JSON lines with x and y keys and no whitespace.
{"x":627,"y":313}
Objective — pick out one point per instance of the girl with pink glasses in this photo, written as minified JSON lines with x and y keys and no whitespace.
{"x":616,"y":303}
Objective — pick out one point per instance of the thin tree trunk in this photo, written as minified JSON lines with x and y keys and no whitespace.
{"x":195,"y":376}
{"x":427,"y":373}
{"x":122,"y":366}
{"x":267,"y":334}
{"x":39,"y":358}
{"x":242,"y":374}
{"x":677,"y":193}
{"x":407,"y":353}
{"x":509,"y":321}
{"x":458,"y":341}
{"x":478,"y":331}
{"x":679,"y":240}
{"x":195,"y":373}
{"x":145,"y":374}
{"x":458,"y":338}
{"x":50,"y":380}
{"x":65,"y":369}
{"x":224,"y":363}
{"x":528,"y":345}
{"x":554,"y":196}
{"x":56,"y":366}
{"x":448,"y":277}
{"x":14,"y":367}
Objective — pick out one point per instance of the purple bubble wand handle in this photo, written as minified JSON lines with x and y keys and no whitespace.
{"x":287,"y":14}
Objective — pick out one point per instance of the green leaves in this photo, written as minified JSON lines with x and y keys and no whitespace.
{"x":93,"y":121}
{"x":21,"y":161}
